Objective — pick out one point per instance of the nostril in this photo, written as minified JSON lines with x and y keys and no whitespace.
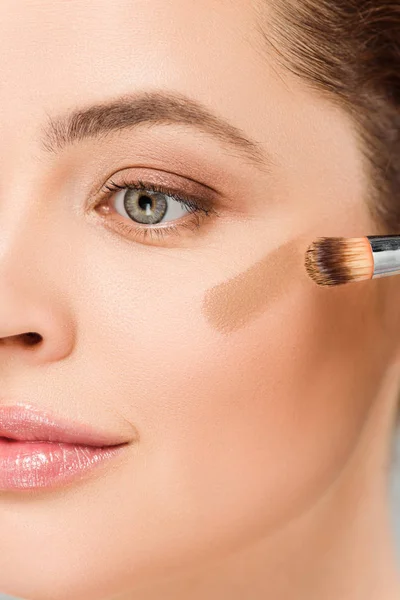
{"x":32,"y":338}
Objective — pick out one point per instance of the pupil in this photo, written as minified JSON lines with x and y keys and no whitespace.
{"x":145,"y":202}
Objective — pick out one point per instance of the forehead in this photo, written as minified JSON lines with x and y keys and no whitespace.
{"x":150,"y":40}
{"x":54,"y":55}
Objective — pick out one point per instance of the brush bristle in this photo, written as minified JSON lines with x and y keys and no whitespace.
{"x":338,"y":260}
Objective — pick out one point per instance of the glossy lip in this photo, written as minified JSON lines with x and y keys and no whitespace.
{"x":26,"y":423}
{"x":31,"y":465}
{"x":39,"y":450}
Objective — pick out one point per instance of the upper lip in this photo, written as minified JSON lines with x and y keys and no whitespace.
{"x":26,"y":423}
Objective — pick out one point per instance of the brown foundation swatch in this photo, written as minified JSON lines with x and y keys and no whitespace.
{"x":230,"y":305}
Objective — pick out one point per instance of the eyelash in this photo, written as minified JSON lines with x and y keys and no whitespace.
{"x":198,"y":208}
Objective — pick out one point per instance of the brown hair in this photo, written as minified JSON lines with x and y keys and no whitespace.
{"x":349,"y":50}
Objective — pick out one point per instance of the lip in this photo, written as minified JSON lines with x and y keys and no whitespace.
{"x":39,"y":450}
{"x":26,"y":423}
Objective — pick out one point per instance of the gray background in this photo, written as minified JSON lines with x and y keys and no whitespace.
{"x":395,"y":487}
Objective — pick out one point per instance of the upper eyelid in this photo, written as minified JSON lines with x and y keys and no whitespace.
{"x":179,"y":184}
{"x":199,"y":190}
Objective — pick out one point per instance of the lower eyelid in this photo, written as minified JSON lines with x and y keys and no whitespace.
{"x":162,"y":235}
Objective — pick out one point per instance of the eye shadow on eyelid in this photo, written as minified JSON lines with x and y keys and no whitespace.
{"x":232,"y":304}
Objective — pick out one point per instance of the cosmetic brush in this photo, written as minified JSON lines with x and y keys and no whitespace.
{"x":338,"y":260}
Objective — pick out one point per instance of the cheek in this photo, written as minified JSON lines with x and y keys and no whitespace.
{"x":253,"y":425}
{"x":239,"y":431}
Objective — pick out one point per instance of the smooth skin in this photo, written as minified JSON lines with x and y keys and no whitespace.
{"x":262,"y":460}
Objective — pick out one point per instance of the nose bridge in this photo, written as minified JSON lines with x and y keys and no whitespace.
{"x":28,"y":175}
{"x":24,"y":207}
{"x":24,"y":244}
{"x":21,"y":170}
{"x":28,"y":252}
{"x":24,"y":224}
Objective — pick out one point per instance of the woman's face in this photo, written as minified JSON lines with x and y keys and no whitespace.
{"x":241,"y":386}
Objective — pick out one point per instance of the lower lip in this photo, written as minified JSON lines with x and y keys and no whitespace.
{"x":33,"y":465}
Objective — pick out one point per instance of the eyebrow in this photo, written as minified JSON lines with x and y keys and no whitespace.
{"x":149,"y":108}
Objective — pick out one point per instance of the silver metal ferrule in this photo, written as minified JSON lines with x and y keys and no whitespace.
{"x":386,"y":254}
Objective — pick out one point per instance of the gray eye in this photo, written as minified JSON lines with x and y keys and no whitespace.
{"x":147,"y":207}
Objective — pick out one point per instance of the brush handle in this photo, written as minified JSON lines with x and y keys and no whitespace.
{"x":386,"y":254}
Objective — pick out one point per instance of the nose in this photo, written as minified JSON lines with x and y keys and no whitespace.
{"x":35,"y":327}
{"x":36,"y":323}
